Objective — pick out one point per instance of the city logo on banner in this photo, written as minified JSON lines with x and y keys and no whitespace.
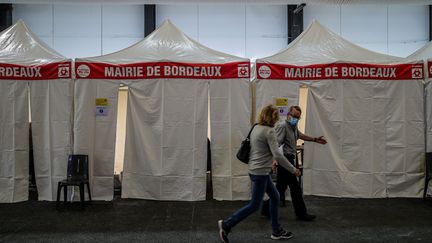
{"x":83,"y":71}
{"x":264,"y":71}
{"x":63,"y":70}
{"x":417,"y":71}
{"x":430,"y":70}
{"x":243,"y":70}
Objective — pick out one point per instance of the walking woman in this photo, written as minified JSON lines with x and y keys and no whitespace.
{"x":264,"y":148}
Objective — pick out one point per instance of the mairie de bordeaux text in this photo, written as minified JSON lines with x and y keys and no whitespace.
{"x":336,"y":72}
{"x":163,"y":71}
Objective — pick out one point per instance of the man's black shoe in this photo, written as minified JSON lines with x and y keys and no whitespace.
{"x":306,"y":217}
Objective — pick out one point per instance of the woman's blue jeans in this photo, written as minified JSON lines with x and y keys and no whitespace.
{"x":260,"y":184}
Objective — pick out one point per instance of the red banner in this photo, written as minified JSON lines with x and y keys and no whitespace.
{"x":155,"y":70}
{"x":340,"y":71}
{"x":57,"y":70}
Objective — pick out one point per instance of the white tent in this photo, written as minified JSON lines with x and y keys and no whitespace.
{"x":168,"y":76}
{"x":425,"y":53}
{"x":368,"y":105}
{"x":25,"y":62}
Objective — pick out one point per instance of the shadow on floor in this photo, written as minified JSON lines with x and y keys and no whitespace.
{"x":126,"y":220}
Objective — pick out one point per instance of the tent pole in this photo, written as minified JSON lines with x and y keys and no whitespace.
{"x":425,"y":96}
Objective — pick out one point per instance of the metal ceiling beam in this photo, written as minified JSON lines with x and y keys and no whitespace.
{"x":430,"y":22}
{"x":5,"y":16}
{"x":295,"y":21}
{"x":149,"y":19}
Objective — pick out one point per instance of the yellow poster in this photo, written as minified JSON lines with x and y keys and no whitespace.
{"x":101,"y":101}
{"x":281,"y":101}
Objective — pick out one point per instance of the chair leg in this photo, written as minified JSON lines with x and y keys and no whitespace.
{"x":89,"y":193}
{"x":81,"y":188}
{"x":58,"y":195}
{"x":426,"y":187}
{"x":65,"y":189}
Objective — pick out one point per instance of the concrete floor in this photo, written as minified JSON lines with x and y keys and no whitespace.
{"x":125,"y":220}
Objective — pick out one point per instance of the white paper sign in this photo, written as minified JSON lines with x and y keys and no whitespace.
{"x":101,"y":111}
{"x":283,"y":110}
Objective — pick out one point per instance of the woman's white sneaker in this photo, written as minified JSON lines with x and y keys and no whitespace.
{"x":281,"y":235}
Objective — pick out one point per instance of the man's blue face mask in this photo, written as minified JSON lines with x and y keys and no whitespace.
{"x":293,"y":121}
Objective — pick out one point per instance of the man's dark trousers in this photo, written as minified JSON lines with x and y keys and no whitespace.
{"x":284,"y":179}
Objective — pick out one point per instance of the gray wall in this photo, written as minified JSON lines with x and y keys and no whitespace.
{"x":81,"y":30}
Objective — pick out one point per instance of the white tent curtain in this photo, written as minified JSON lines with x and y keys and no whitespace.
{"x":428,"y":117}
{"x":425,"y":53}
{"x":95,"y":135}
{"x":166,"y":140}
{"x":375,"y":134}
{"x":52,"y":109}
{"x":28,"y":62}
{"x":14,"y":141}
{"x":168,"y":75}
{"x":373,"y":120}
{"x":428,"y":97}
{"x":230,"y":109}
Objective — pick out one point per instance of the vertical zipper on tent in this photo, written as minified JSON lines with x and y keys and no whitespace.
{"x":194,"y":148}
{"x":425,"y":121}
{"x":49,"y":138}
{"x":162,"y":132}
{"x":72,"y":116}
{"x":230,"y":129}
{"x":385,"y":154}
{"x":13,"y":139}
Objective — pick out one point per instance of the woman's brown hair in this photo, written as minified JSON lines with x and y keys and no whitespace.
{"x":268,"y":116}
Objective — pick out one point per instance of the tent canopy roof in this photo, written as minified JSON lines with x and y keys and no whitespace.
{"x":18,"y":45}
{"x":318,"y":45}
{"x":166,"y":44}
{"x":423,"y":53}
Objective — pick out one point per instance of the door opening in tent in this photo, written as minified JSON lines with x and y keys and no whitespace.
{"x":120,"y":138}
{"x":33,"y":195}
{"x":209,"y":186}
{"x":303,"y":98}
